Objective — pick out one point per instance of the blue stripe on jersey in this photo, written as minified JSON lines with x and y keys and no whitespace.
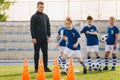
{"x":60,"y":32}
{"x":72,"y":36}
{"x":91,"y":39}
{"x":112,"y":31}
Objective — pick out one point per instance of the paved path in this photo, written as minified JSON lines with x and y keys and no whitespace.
{"x":31,"y":62}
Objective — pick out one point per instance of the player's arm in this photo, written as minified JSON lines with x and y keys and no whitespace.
{"x":116,"y":41}
{"x":63,"y":37}
{"x":76,"y":44}
{"x":57,"y":37}
{"x":83,"y":30}
{"x":93,"y":33}
{"x":78,"y":40}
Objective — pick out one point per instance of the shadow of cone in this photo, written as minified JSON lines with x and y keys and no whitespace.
{"x":41,"y":73}
{"x":25,"y":74}
{"x":56,"y":72}
{"x":70,"y":74}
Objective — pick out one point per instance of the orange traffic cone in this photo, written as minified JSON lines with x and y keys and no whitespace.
{"x":41,"y":73}
{"x":25,"y":61}
{"x":70,"y":74}
{"x":56,"y":72}
{"x":25,"y":74}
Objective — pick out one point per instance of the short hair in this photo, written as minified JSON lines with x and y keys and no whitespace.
{"x":40,"y":2}
{"x":112,"y":18}
{"x":89,"y":18}
{"x":69,"y":19}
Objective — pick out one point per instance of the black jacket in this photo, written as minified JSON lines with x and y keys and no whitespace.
{"x":40,"y":26}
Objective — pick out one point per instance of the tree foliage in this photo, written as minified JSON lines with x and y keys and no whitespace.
{"x":4,"y":6}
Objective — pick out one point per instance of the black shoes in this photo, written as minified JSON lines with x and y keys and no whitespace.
{"x":36,"y":71}
{"x":84,"y":71}
{"x":47,"y":70}
{"x":105,"y":68}
{"x":113,"y":68}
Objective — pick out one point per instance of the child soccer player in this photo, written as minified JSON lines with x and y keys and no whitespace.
{"x":111,"y":43}
{"x":73,"y":43}
{"x":90,"y":32}
{"x":62,"y":44}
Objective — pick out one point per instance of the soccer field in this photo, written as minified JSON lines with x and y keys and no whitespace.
{"x":15,"y":72}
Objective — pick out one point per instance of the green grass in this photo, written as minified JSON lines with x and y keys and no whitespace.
{"x":15,"y":72}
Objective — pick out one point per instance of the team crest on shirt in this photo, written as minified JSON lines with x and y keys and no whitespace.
{"x":73,"y":34}
{"x":112,"y":32}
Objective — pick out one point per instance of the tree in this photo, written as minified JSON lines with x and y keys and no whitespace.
{"x":4,"y":6}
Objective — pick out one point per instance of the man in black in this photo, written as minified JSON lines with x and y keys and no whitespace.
{"x":40,"y":32}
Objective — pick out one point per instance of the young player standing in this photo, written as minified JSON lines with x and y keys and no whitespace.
{"x":111,"y":43}
{"x":90,"y":32}
{"x":73,"y":45}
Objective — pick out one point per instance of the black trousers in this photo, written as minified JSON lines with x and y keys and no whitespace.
{"x":43,"y":45}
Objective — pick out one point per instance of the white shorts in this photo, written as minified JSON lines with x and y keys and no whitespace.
{"x":69,"y":52}
{"x":93,"y":48}
{"x":61,"y":48}
{"x":110,"y":49}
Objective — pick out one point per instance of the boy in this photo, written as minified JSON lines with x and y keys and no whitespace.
{"x":62,"y":44}
{"x":90,"y":32}
{"x":111,"y":43}
{"x":73,"y":43}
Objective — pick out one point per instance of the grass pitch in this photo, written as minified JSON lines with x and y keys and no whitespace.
{"x":15,"y":72}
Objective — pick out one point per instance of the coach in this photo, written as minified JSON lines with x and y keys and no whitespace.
{"x":40,"y":32}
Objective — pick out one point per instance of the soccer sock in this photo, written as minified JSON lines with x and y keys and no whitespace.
{"x":98,"y":60}
{"x":106,"y":61}
{"x":83,"y":64}
{"x":89,"y":61}
{"x":61,"y":60}
{"x":114,"y":60}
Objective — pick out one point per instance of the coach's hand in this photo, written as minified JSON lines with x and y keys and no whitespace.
{"x":48,"y":39}
{"x":34,"y":41}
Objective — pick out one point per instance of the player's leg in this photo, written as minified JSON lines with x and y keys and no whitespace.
{"x":89,"y":50}
{"x":89,"y":60}
{"x":61,"y":49}
{"x":36,"y":55}
{"x":66,"y":52}
{"x":107,"y":52}
{"x":98,"y":60}
{"x":96,"y":49}
{"x":80,"y":60}
{"x":106,"y":60}
{"x":114,"y":59}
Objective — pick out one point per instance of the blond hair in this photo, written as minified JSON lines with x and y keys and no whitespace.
{"x":69,"y":19}
{"x":112,"y":18}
